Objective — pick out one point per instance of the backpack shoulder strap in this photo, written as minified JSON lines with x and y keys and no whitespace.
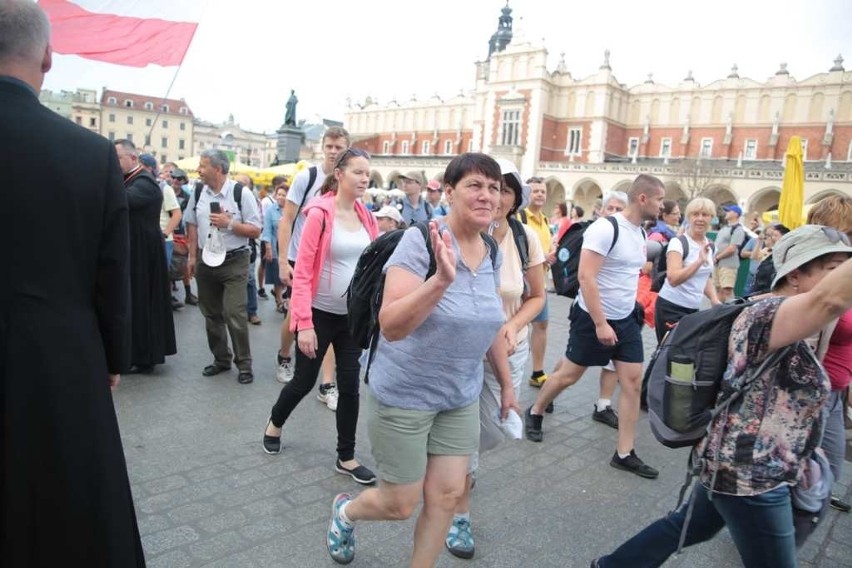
{"x":238,"y":196}
{"x":430,"y":211}
{"x":492,"y":247}
{"x":424,"y":230}
{"x":614,"y":233}
{"x":312,"y":178}
{"x":523,"y":215}
{"x":199,"y":185}
{"x":521,"y":242}
{"x":684,"y":242}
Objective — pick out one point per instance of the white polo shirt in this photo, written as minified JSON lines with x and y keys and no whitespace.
{"x":200,"y":216}
{"x":619,"y":275}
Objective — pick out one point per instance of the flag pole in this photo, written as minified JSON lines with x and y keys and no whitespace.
{"x":174,"y":77}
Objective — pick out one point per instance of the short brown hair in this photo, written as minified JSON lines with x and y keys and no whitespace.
{"x":335,"y":132}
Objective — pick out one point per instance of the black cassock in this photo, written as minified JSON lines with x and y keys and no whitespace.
{"x":63,"y":313}
{"x":153,"y":331}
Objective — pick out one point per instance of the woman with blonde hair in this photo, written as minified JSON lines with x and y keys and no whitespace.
{"x":835,"y":348}
{"x":689,"y":265}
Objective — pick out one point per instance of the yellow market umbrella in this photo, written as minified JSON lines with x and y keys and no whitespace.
{"x":189,"y":165}
{"x":793,"y":187}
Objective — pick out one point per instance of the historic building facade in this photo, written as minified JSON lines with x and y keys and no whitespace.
{"x":726,"y":140}
{"x":80,"y":106}
{"x":251,"y":148}
{"x":162,"y":127}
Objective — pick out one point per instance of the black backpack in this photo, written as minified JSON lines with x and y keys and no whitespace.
{"x":366,"y":290}
{"x":565,"y":270}
{"x":685,"y":374}
{"x":764,"y":276}
{"x":658,"y":277}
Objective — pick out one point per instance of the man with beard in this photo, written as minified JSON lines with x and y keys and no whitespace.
{"x":153,"y":331}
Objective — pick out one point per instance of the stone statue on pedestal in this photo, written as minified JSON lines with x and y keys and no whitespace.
{"x":290,"y":112}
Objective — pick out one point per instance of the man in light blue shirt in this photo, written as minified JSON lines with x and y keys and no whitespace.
{"x":415,"y":209}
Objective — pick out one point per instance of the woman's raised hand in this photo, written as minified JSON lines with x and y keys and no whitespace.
{"x":445,"y":256}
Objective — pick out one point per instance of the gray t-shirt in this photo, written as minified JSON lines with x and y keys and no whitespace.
{"x":725,"y":238}
{"x":295,"y":194}
{"x":439,"y":365}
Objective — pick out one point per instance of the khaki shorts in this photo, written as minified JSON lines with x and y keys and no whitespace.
{"x":724,"y":277}
{"x":402,"y":439}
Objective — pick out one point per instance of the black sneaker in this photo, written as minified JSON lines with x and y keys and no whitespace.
{"x":532,"y":422}
{"x":840,"y":505}
{"x":359,"y":474}
{"x":606,"y":416}
{"x":633,"y":464}
{"x":261,"y":293}
{"x":271,"y":444}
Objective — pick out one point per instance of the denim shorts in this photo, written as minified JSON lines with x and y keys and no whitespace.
{"x":585,"y":350}
{"x":544,"y":314}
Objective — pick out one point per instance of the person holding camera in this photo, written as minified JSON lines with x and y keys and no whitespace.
{"x":220,"y":228}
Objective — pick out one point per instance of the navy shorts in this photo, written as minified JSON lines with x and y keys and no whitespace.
{"x":585,"y":350}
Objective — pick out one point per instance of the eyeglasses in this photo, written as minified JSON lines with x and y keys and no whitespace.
{"x":358,"y":152}
{"x":433,"y":190}
{"x":833,"y":235}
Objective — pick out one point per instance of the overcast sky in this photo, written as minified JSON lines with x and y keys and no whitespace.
{"x":248,"y":54}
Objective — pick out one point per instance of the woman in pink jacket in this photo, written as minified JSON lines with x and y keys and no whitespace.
{"x":337,"y":229}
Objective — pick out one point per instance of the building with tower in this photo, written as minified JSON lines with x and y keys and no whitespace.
{"x":586,"y":135}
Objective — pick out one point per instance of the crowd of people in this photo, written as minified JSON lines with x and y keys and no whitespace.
{"x":475,"y":267}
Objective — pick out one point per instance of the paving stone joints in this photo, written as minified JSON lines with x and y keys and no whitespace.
{"x":207,"y":496}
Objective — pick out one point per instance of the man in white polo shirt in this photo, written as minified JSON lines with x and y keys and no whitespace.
{"x":604,"y":326}
{"x":218,"y":221}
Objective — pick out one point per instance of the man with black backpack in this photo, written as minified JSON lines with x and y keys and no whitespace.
{"x":604,"y":319}
{"x":221,"y":217}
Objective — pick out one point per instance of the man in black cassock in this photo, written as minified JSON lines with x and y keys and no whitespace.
{"x":153,"y":329}
{"x":63,"y":312}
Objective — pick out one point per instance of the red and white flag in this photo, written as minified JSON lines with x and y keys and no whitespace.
{"x":125,"y":32}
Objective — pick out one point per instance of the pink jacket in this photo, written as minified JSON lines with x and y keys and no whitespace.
{"x":314,"y":247}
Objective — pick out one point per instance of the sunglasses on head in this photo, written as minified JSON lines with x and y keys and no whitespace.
{"x":350,"y":151}
{"x":833,"y":235}
{"x":535,"y":180}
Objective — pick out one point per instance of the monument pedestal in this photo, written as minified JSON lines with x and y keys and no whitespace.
{"x":290,"y":140}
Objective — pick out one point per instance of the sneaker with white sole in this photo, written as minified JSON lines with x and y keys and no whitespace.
{"x":340,"y":539}
{"x":328,"y":395}
{"x":285,"y":370}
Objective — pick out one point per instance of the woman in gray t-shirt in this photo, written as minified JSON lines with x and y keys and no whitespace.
{"x":423,"y":397}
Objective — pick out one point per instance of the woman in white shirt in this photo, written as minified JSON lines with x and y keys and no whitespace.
{"x":687,"y":279}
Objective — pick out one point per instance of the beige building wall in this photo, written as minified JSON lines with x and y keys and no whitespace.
{"x":588,"y":135}
{"x":163,"y":128}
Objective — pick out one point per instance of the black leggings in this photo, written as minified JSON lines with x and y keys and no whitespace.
{"x":666,"y":314}
{"x":331,"y":329}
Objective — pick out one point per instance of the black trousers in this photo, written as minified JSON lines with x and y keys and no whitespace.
{"x":331,"y":329}
{"x":666,"y":314}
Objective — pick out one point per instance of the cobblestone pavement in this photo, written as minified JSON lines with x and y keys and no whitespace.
{"x":207,"y":495}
